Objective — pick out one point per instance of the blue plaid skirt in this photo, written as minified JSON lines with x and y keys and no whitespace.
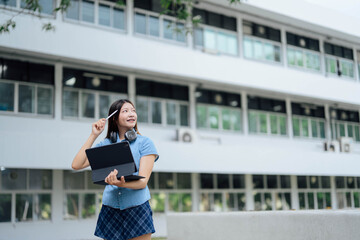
{"x":116,"y":224}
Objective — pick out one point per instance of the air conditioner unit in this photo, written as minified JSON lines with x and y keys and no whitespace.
{"x":345,"y":144}
{"x":186,"y":135}
{"x":332,"y":146}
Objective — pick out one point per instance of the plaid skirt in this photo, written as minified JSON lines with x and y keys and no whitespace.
{"x":116,"y":224}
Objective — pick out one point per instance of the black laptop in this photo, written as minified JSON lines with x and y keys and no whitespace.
{"x":105,"y":159}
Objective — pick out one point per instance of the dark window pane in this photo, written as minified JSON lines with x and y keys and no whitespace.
{"x":229,"y":23}
{"x":340,"y":182}
{"x":151,"y":182}
{"x":166,"y":181}
{"x":238,"y":181}
{"x":272,"y":181}
{"x":15,"y":70}
{"x":7,"y":96}
{"x":40,"y":179}
{"x":314,"y":182}
{"x":40,"y":73}
{"x":301,"y":181}
{"x":266,"y":104}
{"x":325,"y":182}
{"x":24,"y":207}
{"x":206,"y":180}
{"x":183,"y":180}
{"x":223,"y":181}
{"x":258,"y":181}
{"x":285,"y":182}
{"x":5,"y":207}
{"x":13,"y":179}
{"x":350,"y":182}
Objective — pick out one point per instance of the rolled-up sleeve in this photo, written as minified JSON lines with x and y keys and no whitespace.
{"x":148,"y":148}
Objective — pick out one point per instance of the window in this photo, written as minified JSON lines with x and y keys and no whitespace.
{"x":271,"y":192}
{"x":149,"y":21}
{"x":47,"y":6}
{"x":308,"y":120}
{"x":222,"y":192}
{"x":31,"y":191}
{"x":303,"y":52}
{"x":161,"y":103}
{"x":314,"y":192}
{"x":261,"y":42}
{"x":30,"y":85}
{"x":216,"y":33}
{"x":347,"y":192}
{"x":90,"y":94}
{"x":345,"y":123}
{"x":267,"y":116}
{"x":8,"y":3}
{"x":82,"y":199}
{"x":339,"y":60}
{"x":110,"y":13}
{"x":218,"y":110}
{"x":173,"y":188}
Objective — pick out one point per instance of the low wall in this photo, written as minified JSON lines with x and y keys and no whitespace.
{"x":265,"y":225}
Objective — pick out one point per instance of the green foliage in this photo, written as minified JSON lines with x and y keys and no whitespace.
{"x":9,"y":24}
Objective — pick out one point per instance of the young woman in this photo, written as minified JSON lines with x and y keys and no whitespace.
{"x":125,"y":213}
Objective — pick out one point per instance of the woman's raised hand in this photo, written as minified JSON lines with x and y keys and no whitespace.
{"x":98,"y":127}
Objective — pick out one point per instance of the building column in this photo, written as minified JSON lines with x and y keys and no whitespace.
{"x":294,"y":193}
{"x":333,"y":192}
{"x":239,"y":30}
{"x":195,"y":191}
{"x":57,"y":197}
{"x":244,"y":107}
{"x":129,"y":17}
{"x":190,"y":36}
{"x":58,"y":90}
{"x":192,"y":107}
{"x":289,"y":118}
{"x":283,"y":46}
{"x":132,"y":88}
{"x":327,"y":123}
{"x":249,"y":193}
{"x":356,"y":67}
{"x":322,"y":57}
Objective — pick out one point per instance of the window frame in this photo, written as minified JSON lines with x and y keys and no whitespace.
{"x":328,"y":57}
{"x":304,"y":51}
{"x":268,"y":123}
{"x":16,"y":102}
{"x":309,"y":119}
{"x":263,"y":41}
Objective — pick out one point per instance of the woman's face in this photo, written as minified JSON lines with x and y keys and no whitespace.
{"x":127,"y":117}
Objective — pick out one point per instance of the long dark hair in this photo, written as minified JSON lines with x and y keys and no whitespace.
{"x":112,"y":126}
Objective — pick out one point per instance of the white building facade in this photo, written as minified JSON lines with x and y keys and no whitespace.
{"x":255,"y":110}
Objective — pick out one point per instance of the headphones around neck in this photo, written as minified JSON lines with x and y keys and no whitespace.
{"x":130,"y":136}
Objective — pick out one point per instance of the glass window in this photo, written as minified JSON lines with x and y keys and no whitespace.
{"x":47,"y":6}
{"x":206,"y":180}
{"x":118,"y":18}
{"x":70,"y":103}
{"x":168,"y":29}
{"x":142,"y":110}
{"x":26,"y":99}
{"x":325,"y":182}
{"x":5,"y":207}
{"x":73,"y":180}
{"x":157,"y":202}
{"x":238,"y":181}
{"x":104,"y":15}
{"x":180,"y":32}
{"x":42,"y":206}
{"x":183,"y":180}
{"x":272,"y":181}
{"x":24,"y":207}
{"x":6,"y":96}
{"x":340,"y":182}
{"x":71,"y":206}
{"x":350,"y":182}
{"x":13,"y":179}
{"x":87,"y":9}
{"x":314,"y":182}
{"x":261,"y":50}
{"x":258,"y":181}
{"x":44,"y":100}
{"x":171,"y":113}
{"x":201,"y":116}
{"x":11,"y":3}
{"x":156,"y":111}
{"x":184,"y":118}
{"x":285,"y":181}
{"x":140,"y":23}
{"x":88,"y":205}
{"x":88,"y":105}
{"x":226,"y":124}
{"x":40,"y":179}
{"x":302,"y":183}
{"x":209,"y":39}
{"x":73,"y":10}
{"x":263,"y":122}
{"x":214,"y":117}
{"x":223,"y":181}
{"x":154,"y":27}
{"x":166,"y":181}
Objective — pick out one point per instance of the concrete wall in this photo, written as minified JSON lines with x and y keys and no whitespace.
{"x":279,"y":225}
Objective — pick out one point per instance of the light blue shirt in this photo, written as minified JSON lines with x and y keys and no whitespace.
{"x":122,"y":198}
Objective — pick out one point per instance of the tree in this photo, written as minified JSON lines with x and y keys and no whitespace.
{"x":180,"y":9}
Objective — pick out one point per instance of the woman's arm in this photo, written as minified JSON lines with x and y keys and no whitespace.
{"x":145,"y":169}
{"x":80,"y":160}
